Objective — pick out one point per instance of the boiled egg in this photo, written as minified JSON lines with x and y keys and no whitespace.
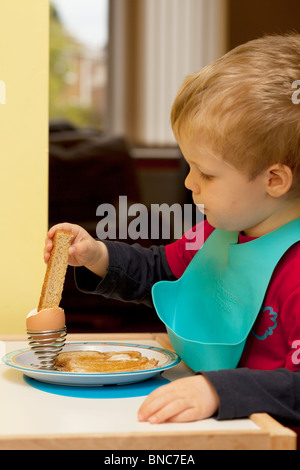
{"x":48,"y":319}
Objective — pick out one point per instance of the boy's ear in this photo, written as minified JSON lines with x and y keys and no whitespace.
{"x":280,"y":180}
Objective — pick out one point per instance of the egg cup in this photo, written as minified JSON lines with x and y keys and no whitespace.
{"x":46,"y":345}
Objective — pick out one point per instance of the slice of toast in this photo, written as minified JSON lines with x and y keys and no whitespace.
{"x":103,"y":362}
{"x":56,"y":271}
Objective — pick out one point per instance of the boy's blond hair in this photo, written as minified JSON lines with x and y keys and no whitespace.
{"x":242,"y":104}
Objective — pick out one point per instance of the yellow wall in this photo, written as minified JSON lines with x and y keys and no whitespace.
{"x":23,"y":157}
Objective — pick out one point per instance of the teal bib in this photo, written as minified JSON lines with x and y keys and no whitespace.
{"x":211,"y":309}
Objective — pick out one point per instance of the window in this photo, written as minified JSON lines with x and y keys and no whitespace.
{"x":78,"y":61}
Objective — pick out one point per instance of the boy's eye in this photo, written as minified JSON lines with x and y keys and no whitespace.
{"x":204,"y":175}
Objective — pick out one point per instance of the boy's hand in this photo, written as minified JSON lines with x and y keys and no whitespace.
{"x":84,"y":251}
{"x":187,"y":399}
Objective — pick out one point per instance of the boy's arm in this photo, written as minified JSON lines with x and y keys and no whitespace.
{"x":226,"y":394}
{"x":244,"y":391}
{"x":133,"y":269}
{"x":131,"y":273}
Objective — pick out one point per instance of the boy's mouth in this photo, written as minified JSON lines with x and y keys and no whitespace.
{"x":201,"y":207}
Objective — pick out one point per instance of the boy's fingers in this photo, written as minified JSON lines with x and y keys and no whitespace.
{"x":148,"y":409}
{"x":153,"y":403}
{"x":51,"y":232}
{"x":72,"y":250}
{"x":64,"y":226}
{"x":168,"y":411}
{"x":47,"y":252}
{"x":48,"y":245}
{"x":187,"y":415}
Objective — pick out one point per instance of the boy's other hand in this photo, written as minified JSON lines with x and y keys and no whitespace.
{"x":186,"y":399}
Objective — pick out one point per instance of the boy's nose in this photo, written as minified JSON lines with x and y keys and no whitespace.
{"x":191,"y":185}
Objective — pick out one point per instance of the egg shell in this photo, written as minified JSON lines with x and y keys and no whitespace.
{"x":47,"y":319}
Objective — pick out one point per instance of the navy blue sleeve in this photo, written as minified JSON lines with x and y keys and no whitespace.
{"x":244,"y":391}
{"x":132,"y":272}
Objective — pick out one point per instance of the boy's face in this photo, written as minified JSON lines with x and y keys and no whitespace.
{"x":231,"y":201}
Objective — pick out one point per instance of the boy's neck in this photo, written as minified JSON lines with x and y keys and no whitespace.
{"x":290,"y":211}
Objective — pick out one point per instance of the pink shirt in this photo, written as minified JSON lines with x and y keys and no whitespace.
{"x":274,"y":341}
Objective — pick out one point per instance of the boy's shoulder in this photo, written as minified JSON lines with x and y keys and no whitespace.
{"x":180,"y":253}
{"x":289,"y":265}
{"x":285,"y":281}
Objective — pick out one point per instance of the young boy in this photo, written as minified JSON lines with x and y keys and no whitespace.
{"x":238,"y":127}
